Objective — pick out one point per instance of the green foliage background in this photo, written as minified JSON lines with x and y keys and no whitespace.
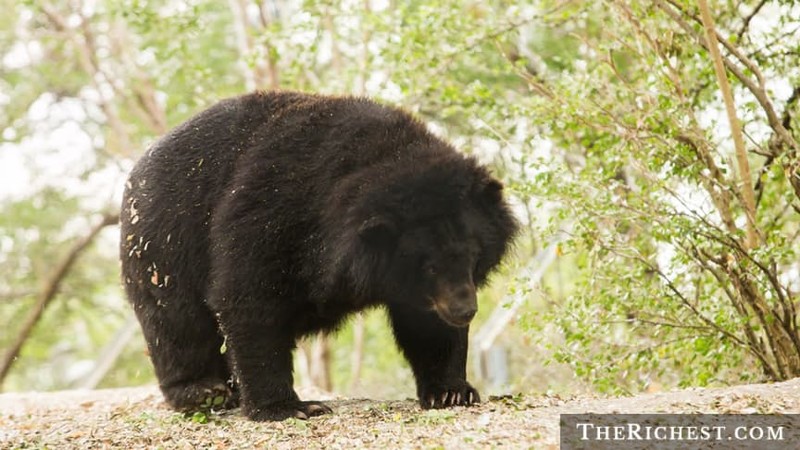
{"x":603,"y":118}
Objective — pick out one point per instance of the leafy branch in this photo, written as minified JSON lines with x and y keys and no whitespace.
{"x":50,"y":290}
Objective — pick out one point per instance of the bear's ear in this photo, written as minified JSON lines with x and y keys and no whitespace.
{"x":490,"y":189}
{"x":377,"y":231}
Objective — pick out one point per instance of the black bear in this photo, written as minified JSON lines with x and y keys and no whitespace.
{"x":275,"y":215}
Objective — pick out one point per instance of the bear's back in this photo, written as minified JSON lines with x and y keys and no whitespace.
{"x":285,"y":133}
{"x":287,"y":161}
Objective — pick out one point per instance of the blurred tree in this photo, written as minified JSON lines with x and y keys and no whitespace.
{"x":689,"y":265}
{"x":88,"y":85}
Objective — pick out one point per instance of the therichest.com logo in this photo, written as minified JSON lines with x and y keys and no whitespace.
{"x":679,"y":431}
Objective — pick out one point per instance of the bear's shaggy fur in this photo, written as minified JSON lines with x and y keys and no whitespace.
{"x":275,"y":215}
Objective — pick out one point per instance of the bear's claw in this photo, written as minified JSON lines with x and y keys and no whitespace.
{"x":285,"y":410}
{"x":436,"y":397}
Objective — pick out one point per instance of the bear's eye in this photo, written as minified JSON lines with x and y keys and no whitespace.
{"x":430,"y":270}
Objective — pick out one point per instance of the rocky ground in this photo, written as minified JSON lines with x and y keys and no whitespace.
{"x":134,"y":418}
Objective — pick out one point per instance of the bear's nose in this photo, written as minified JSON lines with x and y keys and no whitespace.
{"x":464,"y":314}
{"x":465,"y":304}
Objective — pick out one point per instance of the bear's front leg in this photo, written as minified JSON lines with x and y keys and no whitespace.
{"x":253,"y":302}
{"x":261,"y":355}
{"x":437,"y":353}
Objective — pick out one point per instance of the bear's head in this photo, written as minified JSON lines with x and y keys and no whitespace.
{"x":433,"y":265}
{"x":430,"y":238}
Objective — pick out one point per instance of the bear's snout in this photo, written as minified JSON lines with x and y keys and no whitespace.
{"x":457,"y":305}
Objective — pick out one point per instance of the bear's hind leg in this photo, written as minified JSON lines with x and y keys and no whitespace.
{"x":261,"y":349}
{"x":185,"y":347}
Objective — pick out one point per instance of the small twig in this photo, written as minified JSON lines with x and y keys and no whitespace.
{"x":15,"y":295}
{"x":747,"y":19}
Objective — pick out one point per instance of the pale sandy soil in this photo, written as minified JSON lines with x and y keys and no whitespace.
{"x":135,"y":418}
